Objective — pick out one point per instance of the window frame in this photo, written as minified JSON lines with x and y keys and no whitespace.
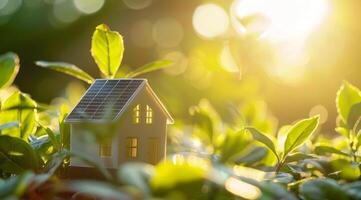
{"x":105,"y":148}
{"x":149,"y":115}
{"x":132,"y":144}
{"x":137,"y":114}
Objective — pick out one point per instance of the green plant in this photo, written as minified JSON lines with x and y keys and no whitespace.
{"x":107,"y":49}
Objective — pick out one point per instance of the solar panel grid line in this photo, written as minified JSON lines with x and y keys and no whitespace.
{"x":95,"y":87}
{"x":140,"y":82}
{"x":114,"y":86}
{"x":104,"y":96}
{"x":125,"y":83}
{"x":96,"y":93}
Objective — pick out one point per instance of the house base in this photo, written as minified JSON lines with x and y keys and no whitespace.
{"x":81,"y":173}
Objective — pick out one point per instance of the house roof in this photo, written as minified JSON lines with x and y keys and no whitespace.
{"x":106,"y":100}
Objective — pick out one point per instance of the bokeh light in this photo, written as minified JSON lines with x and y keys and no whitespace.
{"x":88,"y":6}
{"x":210,"y":20}
{"x":137,"y":4}
{"x":141,"y":33}
{"x":167,"y":32}
{"x":8,"y":7}
{"x":321,"y":111}
{"x":64,"y":12}
{"x":180,"y":63}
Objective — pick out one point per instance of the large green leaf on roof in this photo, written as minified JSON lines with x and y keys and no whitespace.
{"x":107,"y":50}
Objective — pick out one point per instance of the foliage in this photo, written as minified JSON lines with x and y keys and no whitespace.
{"x":210,"y":157}
{"x":107,"y":49}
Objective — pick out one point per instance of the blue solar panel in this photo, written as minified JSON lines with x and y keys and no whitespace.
{"x":104,"y":99}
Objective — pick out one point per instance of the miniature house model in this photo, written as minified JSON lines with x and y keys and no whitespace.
{"x":138,"y":118}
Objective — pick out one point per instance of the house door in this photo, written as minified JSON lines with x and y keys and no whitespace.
{"x":153,"y":150}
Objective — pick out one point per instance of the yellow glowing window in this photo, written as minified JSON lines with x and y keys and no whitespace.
{"x":149,"y":115}
{"x":136,"y":114}
{"x":105,"y":149}
{"x":132,"y":147}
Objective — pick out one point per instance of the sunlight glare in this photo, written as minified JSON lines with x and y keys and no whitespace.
{"x":242,"y":189}
{"x":210,"y":20}
{"x":290,"y":19}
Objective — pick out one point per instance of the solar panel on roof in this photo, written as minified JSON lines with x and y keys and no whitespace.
{"x":104,"y":99}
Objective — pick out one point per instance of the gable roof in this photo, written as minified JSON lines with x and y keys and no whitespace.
{"x":106,"y":100}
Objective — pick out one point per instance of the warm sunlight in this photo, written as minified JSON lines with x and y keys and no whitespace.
{"x":294,"y":19}
{"x":210,"y":20}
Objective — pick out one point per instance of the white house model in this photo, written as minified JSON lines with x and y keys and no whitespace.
{"x":138,"y":118}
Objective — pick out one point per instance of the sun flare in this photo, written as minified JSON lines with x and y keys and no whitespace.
{"x":288,"y":19}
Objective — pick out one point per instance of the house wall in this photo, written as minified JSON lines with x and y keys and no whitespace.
{"x":81,"y":143}
{"x":144,"y":132}
{"x":125,"y":128}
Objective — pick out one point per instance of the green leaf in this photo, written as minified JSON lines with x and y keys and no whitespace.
{"x":297,"y":157}
{"x":9,"y":125}
{"x":354,"y":117}
{"x":324,"y":150}
{"x":253,"y":156}
{"x":67,"y":68}
{"x":157,"y":65}
{"x":94,"y":188}
{"x":261,"y":137}
{"x":353,"y":189}
{"x":324,"y":188}
{"x":348,"y":170}
{"x":299,"y":133}
{"x":16,"y":186}
{"x":347,"y":96}
{"x":137,"y":175}
{"x":19,"y":107}
{"x":107,"y":50}
{"x":9,"y":68}
{"x":234,"y":143}
{"x":274,"y":191}
{"x":168,"y":175}
{"x":16,"y":155}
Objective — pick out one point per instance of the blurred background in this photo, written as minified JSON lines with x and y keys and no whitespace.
{"x":289,"y":56}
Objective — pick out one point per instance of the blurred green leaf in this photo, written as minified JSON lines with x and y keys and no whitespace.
{"x":107,"y":50}
{"x":324,"y":150}
{"x":234,"y":143}
{"x":347,"y":96}
{"x":9,"y":125}
{"x":16,"y":186}
{"x":9,"y":68}
{"x":94,"y":188}
{"x":274,"y":191}
{"x":299,"y":133}
{"x":348,"y":170}
{"x":157,"y":65}
{"x":343,"y":131}
{"x":16,"y":155}
{"x":353,"y":189}
{"x":297,"y":157}
{"x":253,"y":156}
{"x":67,"y":68}
{"x":354,"y":117}
{"x":323,"y":188}
{"x":168,"y":175}
{"x":261,"y":137}
{"x":137,"y":175}
{"x":19,"y":107}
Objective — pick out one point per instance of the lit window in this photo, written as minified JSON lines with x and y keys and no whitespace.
{"x":136,"y":114}
{"x":105,"y":149}
{"x":132,"y":147}
{"x":149,"y":115}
